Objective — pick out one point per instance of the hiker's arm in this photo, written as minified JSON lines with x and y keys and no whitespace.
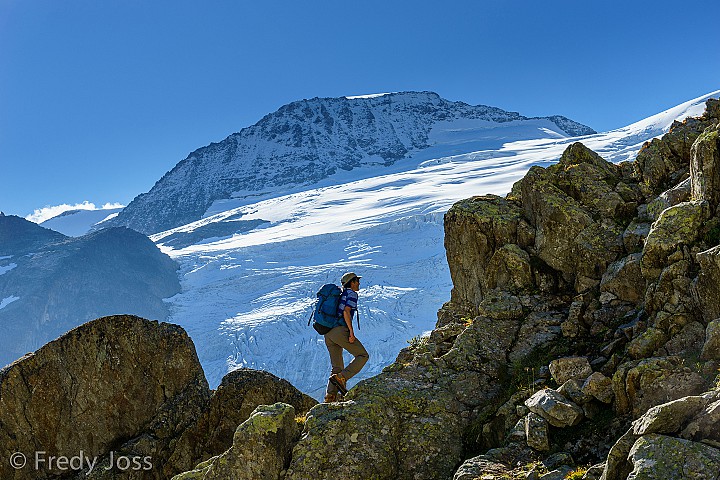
{"x":347,"y":314}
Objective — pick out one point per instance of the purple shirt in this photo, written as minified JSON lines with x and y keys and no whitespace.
{"x":348,"y":298}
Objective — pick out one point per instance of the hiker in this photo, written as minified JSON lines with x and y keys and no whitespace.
{"x":343,"y":336}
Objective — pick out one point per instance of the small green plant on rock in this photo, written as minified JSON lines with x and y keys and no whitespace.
{"x":416,"y":341}
{"x":577,"y":474}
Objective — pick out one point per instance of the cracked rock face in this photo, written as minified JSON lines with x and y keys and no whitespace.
{"x":677,"y":439}
{"x":98,"y":385}
{"x":260,"y":451}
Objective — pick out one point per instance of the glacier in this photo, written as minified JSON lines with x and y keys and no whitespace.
{"x":251,"y":266}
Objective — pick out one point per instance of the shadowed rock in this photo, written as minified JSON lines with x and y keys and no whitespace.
{"x":91,"y":390}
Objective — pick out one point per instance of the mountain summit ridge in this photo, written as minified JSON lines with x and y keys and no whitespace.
{"x":303,"y":143}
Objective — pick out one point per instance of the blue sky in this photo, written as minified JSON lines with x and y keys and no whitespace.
{"x":99,"y":98}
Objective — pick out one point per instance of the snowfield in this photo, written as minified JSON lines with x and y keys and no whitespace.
{"x":7,"y":301}
{"x":6,"y":268}
{"x":247,"y":296}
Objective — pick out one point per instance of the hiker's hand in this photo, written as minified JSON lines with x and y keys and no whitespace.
{"x":352,"y":338}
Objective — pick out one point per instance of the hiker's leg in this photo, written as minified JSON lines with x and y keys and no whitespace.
{"x":336,"y":358}
{"x":358,"y":351}
{"x":339,"y":336}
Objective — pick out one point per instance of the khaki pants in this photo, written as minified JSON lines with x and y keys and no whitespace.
{"x":337,"y":339}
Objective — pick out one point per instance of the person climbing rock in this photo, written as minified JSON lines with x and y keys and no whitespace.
{"x":343,"y":337}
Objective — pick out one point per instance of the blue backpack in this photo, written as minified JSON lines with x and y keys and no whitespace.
{"x":326,"y":309}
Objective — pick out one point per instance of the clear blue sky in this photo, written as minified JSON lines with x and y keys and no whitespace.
{"x":99,"y":98}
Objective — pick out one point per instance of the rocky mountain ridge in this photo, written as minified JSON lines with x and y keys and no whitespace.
{"x":302,"y":143}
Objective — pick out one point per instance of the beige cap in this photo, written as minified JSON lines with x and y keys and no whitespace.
{"x":348,"y":277}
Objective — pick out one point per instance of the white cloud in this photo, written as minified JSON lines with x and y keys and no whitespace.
{"x":46,"y":213}
{"x":111,"y":206}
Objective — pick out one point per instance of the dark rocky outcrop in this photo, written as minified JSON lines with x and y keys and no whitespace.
{"x":97,"y":387}
{"x":237,"y":396}
{"x":124,"y":387}
{"x":261,"y":448}
{"x":678,"y":439}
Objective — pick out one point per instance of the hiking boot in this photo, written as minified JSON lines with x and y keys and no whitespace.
{"x":339,"y":381}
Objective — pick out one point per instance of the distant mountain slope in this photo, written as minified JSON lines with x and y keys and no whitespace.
{"x":305,"y":142}
{"x":50,"y":283}
{"x":18,"y":236}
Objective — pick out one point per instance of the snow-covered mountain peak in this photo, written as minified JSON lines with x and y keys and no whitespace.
{"x":308,"y":141}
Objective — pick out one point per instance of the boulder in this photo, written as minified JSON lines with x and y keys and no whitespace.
{"x":669,"y":198}
{"x":111,"y":382}
{"x":474,"y":229}
{"x":705,"y":426}
{"x":261,"y":448}
{"x":624,"y":279}
{"x":687,"y":342}
{"x":711,"y":348}
{"x":509,"y":269}
{"x":663,"y":161}
{"x":705,"y":167}
{"x":635,"y":234}
{"x":557,"y":474}
{"x":501,"y":306}
{"x":594,"y":472}
{"x":573,"y":326}
{"x":573,"y":390}
{"x":400,"y":425}
{"x":563,"y":369}
{"x":479,"y":467}
{"x":599,"y":387}
{"x":642,"y":384}
{"x":655,"y":164}
{"x":536,"y":432}
{"x":617,"y":466}
{"x":682,"y":135}
{"x":591,"y":180}
{"x":676,"y":226}
{"x":555,"y":408}
{"x":656,"y":456}
{"x":517,"y":434}
{"x":567,"y":238}
{"x":669,"y":418}
{"x":671,"y":293}
{"x":239,"y":394}
{"x":647,"y":343}
{"x":538,"y":330}
{"x":708,"y":279}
